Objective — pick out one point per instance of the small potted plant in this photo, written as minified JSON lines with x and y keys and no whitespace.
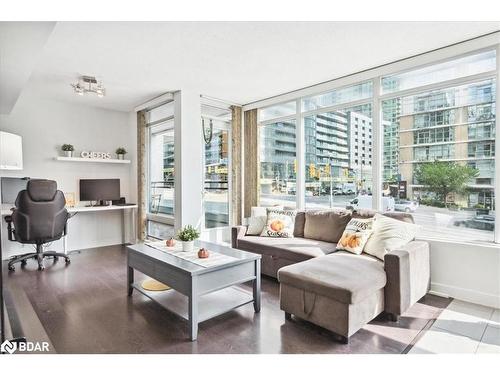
{"x":68,"y":150}
{"x":187,"y":235}
{"x":120,"y":153}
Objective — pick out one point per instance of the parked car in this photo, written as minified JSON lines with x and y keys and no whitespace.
{"x":484,"y":222}
{"x":309,"y":193}
{"x":406,"y":206}
{"x":365,"y":202}
{"x":349,"y":192}
{"x":337,"y":192}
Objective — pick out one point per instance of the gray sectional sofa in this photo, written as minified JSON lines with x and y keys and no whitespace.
{"x":338,"y":290}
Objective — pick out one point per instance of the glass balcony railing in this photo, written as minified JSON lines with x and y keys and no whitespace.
{"x":161,"y":197}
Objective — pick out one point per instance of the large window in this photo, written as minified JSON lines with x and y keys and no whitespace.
{"x":340,"y":96}
{"x":444,"y":173}
{"x":458,"y":68}
{"x":339,"y":147}
{"x":437,"y":143}
{"x":161,"y":168}
{"x":278,"y":164}
{"x":160,"y":173}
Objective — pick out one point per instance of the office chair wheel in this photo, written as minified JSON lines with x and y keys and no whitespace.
{"x":12,"y":268}
{"x":41,"y":268}
{"x":24,"y":262}
{"x":67,"y":260}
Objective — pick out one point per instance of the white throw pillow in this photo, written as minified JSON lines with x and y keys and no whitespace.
{"x":257,"y":220}
{"x":280,"y":223}
{"x":355,"y":235}
{"x":389,"y":234}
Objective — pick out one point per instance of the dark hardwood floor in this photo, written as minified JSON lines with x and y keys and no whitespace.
{"x":84,"y":308}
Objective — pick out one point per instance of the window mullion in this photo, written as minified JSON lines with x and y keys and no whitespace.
{"x":496,"y":186}
{"x":300,"y":185}
{"x":378,"y":144}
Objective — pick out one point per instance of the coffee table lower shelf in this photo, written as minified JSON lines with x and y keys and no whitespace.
{"x":209,"y":305}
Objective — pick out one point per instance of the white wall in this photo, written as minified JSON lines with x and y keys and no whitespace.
{"x":188,"y":160}
{"x":470,"y":272}
{"x":45,"y":125}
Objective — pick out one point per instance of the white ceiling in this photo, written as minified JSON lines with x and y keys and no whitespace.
{"x":20,"y":45}
{"x":239,"y":62}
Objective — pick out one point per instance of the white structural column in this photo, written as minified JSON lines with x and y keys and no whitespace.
{"x":378,"y":147}
{"x":300,"y":149}
{"x":497,"y":153}
{"x":188,"y":153}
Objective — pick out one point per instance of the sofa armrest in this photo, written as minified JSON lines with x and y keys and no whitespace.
{"x":408,"y":276}
{"x":237,"y":232}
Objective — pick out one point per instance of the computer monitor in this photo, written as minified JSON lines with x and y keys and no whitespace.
{"x":100,"y":189}
{"x":11,"y":186}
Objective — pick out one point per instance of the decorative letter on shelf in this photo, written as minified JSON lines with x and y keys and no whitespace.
{"x":95,"y":155}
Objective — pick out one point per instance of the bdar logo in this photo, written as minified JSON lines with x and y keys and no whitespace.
{"x":23,"y":346}
{"x":8,"y":347}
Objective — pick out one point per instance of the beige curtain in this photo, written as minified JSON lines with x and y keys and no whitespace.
{"x":236,"y":181}
{"x":251,"y":157}
{"x":141,"y":175}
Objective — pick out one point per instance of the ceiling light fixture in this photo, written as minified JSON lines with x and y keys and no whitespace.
{"x":88,"y":84}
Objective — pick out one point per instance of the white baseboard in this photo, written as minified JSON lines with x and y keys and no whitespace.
{"x":468,"y":295}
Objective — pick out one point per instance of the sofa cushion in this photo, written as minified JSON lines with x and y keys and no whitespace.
{"x":356,"y":235}
{"x":326,"y":225}
{"x":294,"y":249}
{"x":280,"y":223}
{"x":258,"y":219}
{"x":344,"y":277}
{"x":300,"y":219}
{"x":389,"y":234}
{"x":403,"y":216}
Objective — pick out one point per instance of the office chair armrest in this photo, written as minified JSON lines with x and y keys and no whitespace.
{"x":10,"y":230}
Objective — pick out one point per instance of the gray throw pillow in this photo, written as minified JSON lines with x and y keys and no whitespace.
{"x":327,"y":225}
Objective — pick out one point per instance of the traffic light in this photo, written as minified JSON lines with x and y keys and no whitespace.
{"x":328,"y":170}
{"x":295,"y":166}
{"x":312,"y":170}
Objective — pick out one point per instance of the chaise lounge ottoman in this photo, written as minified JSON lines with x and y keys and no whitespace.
{"x":340,"y":292}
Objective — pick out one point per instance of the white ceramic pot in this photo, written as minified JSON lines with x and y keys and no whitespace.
{"x":121,"y":156}
{"x":187,"y":245}
{"x":68,"y":154}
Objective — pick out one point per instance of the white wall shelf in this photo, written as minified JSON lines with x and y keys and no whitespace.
{"x":90,"y":160}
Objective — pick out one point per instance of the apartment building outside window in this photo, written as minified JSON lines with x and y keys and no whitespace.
{"x":278,"y":164}
{"x":453,"y":126}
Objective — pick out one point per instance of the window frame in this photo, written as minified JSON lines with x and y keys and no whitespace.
{"x":150,"y":216}
{"x":457,"y":51}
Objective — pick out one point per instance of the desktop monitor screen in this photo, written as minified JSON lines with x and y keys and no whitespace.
{"x":11,"y":186}
{"x":100,"y":189}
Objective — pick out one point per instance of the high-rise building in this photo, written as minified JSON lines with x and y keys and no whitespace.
{"x":456,"y":125}
{"x":338,"y":145}
{"x":360,"y":149}
{"x":391,"y":110}
{"x":327,"y":146}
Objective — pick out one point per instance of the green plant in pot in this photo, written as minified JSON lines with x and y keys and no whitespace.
{"x":187,"y":235}
{"x":120,"y":152}
{"x":68,"y":150}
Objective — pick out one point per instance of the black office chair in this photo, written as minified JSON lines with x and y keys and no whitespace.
{"x":39,"y":218}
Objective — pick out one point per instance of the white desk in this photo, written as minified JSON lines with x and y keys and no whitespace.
{"x":6,"y":210}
